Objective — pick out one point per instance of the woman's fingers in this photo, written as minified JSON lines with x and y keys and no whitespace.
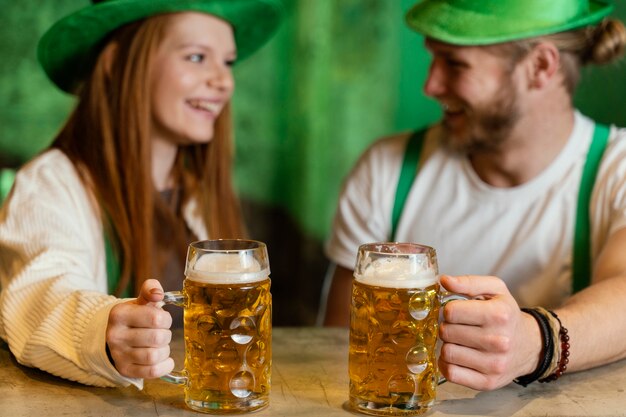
{"x":151,"y":292}
{"x":140,"y":316}
{"x":138,"y":335}
{"x":133,"y":370}
{"x":147,"y":356}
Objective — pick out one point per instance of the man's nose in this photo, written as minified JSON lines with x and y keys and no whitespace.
{"x":435,"y":82}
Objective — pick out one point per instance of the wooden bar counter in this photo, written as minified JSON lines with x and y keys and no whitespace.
{"x":309,"y":378}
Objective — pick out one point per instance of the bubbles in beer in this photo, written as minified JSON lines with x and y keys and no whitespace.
{"x":428,"y":387}
{"x":387,"y":307}
{"x":209,"y":329}
{"x":241,"y":384}
{"x":428,"y":336}
{"x":403,"y":333}
{"x":400,"y":384}
{"x":360,"y":308}
{"x":360,"y":300}
{"x":228,"y":343}
{"x":196,"y":351}
{"x":254,"y":299}
{"x":417,"y":359}
{"x":226,"y":357}
{"x":384,"y":359}
{"x":393,"y":332}
{"x":256,"y":354}
{"x":225,"y":305}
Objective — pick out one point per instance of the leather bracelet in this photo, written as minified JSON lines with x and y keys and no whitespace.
{"x":556,"y":348}
{"x":564,"y":356}
{"x":547,"y":349}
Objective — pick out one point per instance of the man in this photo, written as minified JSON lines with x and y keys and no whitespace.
{"x":496,"y":191}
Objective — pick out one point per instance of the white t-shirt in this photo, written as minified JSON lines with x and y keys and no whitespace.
{"x":522,"y":234}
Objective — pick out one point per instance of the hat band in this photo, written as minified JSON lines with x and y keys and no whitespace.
{"x":527,"y":13}
{"x":481,"y":22}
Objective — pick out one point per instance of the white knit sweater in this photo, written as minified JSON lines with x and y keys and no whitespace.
{"x":54,"y":305}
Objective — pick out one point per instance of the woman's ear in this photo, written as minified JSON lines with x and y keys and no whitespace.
{"x":108,"y":56}
{"x":543,"y":63}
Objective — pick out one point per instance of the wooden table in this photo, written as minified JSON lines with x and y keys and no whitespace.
{"x":309,"y":378}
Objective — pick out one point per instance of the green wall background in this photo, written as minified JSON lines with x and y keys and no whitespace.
{"x":338,"y":74}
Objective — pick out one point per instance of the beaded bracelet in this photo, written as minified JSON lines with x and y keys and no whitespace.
{"x":564,"y":357}
{"x":547,"y":349}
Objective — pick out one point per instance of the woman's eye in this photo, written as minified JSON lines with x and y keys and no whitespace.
{"x":230,"y":62}
{"x":197,"y":58}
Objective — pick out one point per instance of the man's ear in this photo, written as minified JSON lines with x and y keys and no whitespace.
{"x":543,"y":64}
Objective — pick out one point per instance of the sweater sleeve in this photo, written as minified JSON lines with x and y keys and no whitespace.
{"x":53,"y":304}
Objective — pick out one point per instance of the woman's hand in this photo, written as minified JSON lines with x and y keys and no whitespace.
{"x":487,"y":341}
{"x":138,"y":335}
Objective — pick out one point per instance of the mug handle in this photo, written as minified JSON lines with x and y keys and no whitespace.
{"x":175,"y":377}
{"x":444,"y":298}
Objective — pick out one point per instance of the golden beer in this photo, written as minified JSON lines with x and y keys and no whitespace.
{"x":394,"y":324}
{"x":228,"y":337}
{"x":227,"y":325}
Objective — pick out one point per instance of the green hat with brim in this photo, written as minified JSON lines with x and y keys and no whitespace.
{"x":484,"y":22}
{"x":69,"y":48}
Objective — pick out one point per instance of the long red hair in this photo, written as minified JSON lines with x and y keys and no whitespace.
{"x":107,"y":137}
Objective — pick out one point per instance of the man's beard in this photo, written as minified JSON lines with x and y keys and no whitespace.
{"x":488,"y":126}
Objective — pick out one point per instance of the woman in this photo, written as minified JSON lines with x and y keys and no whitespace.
{"x":141,"y":167}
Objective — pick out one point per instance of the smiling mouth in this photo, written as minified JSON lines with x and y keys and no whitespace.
{"x":205,"y":105}
{"x":452,"y":110}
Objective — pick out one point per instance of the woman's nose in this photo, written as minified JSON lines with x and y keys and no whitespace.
{"x":221,"y":77}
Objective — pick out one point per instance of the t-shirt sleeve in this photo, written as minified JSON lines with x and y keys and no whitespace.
{"x":363,"y":212}
{"x":608,"y":208}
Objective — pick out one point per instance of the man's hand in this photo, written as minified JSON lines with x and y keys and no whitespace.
{"x":488,"y":341}
{"x":138,"y":335}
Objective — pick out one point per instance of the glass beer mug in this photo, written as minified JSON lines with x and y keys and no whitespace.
{"x":394,"y":323}
{"x":227,"y":326}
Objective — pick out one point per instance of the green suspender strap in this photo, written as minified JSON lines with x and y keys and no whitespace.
{"x":581,"y":254}
{"x":581,"y":262}
{"x":7,"y":178}
{"x":408,"y":172}
{"x":113,"y":266}
{"x":114,"y":270}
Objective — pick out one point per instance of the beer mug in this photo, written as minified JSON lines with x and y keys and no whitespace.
{"x":394,"y":323}
{"x":227,"y":326}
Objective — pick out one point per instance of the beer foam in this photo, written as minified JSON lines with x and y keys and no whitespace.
{"x":396,"y":273}
{"x":227,"y":268}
